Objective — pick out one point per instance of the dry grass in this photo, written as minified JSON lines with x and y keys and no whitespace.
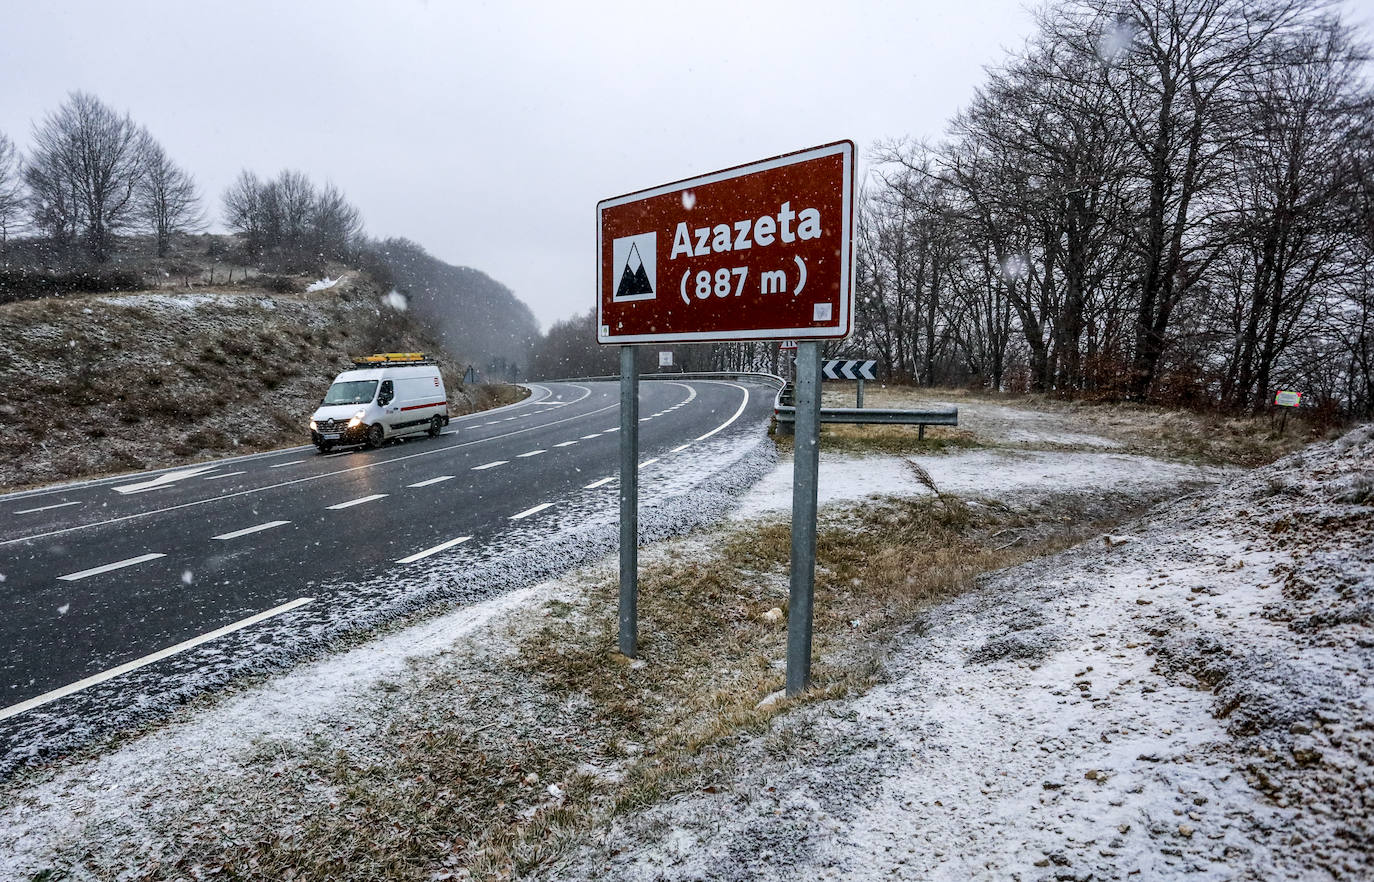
{"x":452,"y":774}
{"x":1205,"y":437}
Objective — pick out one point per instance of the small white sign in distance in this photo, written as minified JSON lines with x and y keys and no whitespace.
{"x":665,"y":359}
{"x":1286,"y":398}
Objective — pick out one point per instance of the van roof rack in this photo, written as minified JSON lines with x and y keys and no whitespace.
{"x":387,"y":359}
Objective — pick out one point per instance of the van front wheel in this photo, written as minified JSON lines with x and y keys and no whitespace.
{"x":375,"y":433}
{"x":435,"y":425}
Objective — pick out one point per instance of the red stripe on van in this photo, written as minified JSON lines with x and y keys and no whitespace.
{"x":422,"y":406}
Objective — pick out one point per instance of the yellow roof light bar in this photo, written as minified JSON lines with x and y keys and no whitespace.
{"x":389,"y":358}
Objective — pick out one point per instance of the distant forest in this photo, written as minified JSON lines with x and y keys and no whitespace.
{"x":1153,"y":200}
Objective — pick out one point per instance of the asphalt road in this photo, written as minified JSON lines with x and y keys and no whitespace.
{"x":101,"y":577}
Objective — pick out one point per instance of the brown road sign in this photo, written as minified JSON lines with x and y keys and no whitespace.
{"x":757,"y":252}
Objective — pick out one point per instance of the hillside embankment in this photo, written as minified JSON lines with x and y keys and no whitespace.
{"x":108,"y":383}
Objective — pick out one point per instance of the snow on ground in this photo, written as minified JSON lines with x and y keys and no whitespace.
{"x":1193,"y":701}
{"x":993,"y":472}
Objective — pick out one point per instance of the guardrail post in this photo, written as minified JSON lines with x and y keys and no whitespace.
{"x":805,"y":472}
{"x":859,"y":396}
{"x":629,"y":502}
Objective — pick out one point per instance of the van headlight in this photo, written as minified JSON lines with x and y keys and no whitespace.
{"x":357,"y":419}
{"x":313,"y":426}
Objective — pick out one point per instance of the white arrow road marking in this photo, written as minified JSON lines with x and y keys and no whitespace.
{"x":247,"y":530}
{"x":419,"y":555}
{"x":224,"y":475}
{"x":529,"y":511}
{"x":602,"y":483}
{"x":64,"y":691}
{"x":531,"y":453}
{"x":163,"y":480}
{"x":490,"y":465}
{"x":46,"y":507}
{"x":117,"y":565}
{"x":359,"y":501}
{"x":431,"y":481}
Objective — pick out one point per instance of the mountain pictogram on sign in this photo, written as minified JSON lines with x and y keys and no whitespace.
{"x":634,"y":281}
{"x":635,"y":259}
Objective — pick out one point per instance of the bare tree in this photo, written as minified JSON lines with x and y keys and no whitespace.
{"x":11,"y":190}
{"x":84,"y":173}
{"x":167,"y":196}
{"x":335,"y":224}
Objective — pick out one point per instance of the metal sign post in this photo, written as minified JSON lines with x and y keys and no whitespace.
{"x":806,"y":450}
{"x":762,"y":251}
{"x":629,"y":502}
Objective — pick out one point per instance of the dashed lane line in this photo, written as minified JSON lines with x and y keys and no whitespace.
{"x":490,"y":465}
{"x":430,"y":481}
{"x":282,"y":465}
{"x":602,"y":483}
{"x":117,"y":565}
{"x":419,"y":555}
{"x":225,"y":475}
{"x":530,"y":511}
{"x":590,"y":437}
{"x":531,"y":453}
{"x":359,"y":501}
{"x":565,"y":444}
{"x":47,"y":507}
{"x":248,"y":530}
{"x":648,"y":462}
{"x":69,"y":689}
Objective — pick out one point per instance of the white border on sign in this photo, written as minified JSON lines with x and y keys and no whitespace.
{"x":843,"y":326}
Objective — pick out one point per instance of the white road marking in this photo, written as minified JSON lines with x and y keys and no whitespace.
{"x":602,"y":483}
{"x":531,"y":453}
{"x":723,"y":425}
{"x":565,"y":444}
{"x":681,"y":447}
{"x":326,"y":456}
{"x":490,"y":465}
{"x":645,"y":419}
{"x":225,"y":475}
{"x":46,"y":507}
{"x":117,"y":565}
{"x":648,"y":462}
{"x":359,"y":501}
{"x":282,"y":465}
{"x":529,"y":511}
{"x":435,"y":550}
{"x":64,"y":691}
{"x":591,"y":436}
{"x":431,"y":481}
{"x":247,"y":530}
{"x":163,"y":480}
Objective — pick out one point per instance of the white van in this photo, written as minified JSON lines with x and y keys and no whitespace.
{"x":384,"y":396}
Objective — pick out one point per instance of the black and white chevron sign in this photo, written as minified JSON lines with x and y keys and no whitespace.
{"x":839,"y":369}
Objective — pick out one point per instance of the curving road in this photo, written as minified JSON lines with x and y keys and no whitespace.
{"x":104,"y":577}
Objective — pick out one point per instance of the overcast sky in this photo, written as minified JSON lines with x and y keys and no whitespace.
{"x":488,"y":132}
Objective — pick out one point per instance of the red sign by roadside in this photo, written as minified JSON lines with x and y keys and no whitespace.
{"x":757,"y":252}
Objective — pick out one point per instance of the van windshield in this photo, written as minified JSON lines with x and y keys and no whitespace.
{"x":351,"y":392}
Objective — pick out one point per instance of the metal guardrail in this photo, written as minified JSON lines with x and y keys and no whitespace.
{"x":786,"y":415}
{"x":695,"y":375}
